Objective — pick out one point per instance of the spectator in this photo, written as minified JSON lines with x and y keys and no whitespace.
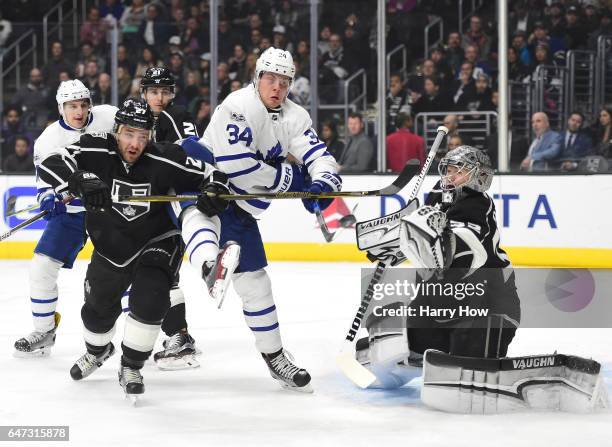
{"x":575,"y":143}
{"x":329,"y":135}
{"x":358,"y":154}
{"x":124,"y":80}
{"x":237,"y":63}
{"x":519,"y":43}
{"x":476,"y":36}
{"x":226,"y":40}
{"x":224,"y":82}
{"x":148,"y":59}
{"x":86,"y":55}
{"x":266,"y":43}
{"x":279,"y":39}
{"x":604,"y":28}
{"x":32,"y":100}
{"x":479,"y":98}
{"x":112,"y":8}
{"x":540,"y":37}
{"x":575,"y":31}
{"x":544,"y":148}
{"x":124,"y":60}
{"x":462,"y":86}
{"x":403,"y":145}
{"x":334,"y":67}
{"x":454,"y":141}
{"x":94,"y":30}
{"x":302,"y":57}
{"x":133,"y":16}
{"x":90,"y":78}
{"x":602,"y":132}
{"x":102,"y":92}
{"x":56,"y":64}
{"x":178,"y":69}
{"x":451,"y":122}
{"x":12,"y":127}
{"x":416,"y":82}
{"x":178,"y":24}
{"x":521,"y":18}
{"x":517,"y":71}
{"x":255,"y":41}
{"x":300,"y":87}
{"x":433,"y":99}
{"x":286,"y":16}
{"x":480,"y":66}
{"x":543,"y":58}
{"x":591,"y":19}
{"x":324,"y":44}
{"x":556,"y":21}
{"x":21,"y":158}
{"x":202,"y":115}
{"x":153,"y":30}
{"x":454,"y":51}
{"x":193,"y":40}
{"x":398,"y":101}
{"x":5,"y":32}
{"x":442,"y":67}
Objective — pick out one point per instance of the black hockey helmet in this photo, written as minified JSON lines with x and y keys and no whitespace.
{"x":134,"y":113}
{"x":157,"y":77}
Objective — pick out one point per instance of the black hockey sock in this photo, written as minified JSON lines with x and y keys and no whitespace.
{"x":134,"y":364}
{"x":95,"y":350}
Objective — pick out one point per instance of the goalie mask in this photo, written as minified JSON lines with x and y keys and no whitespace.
{"x":465,"y":166}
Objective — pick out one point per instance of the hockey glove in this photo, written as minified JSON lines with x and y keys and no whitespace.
{"x":316,"y":188}
{"x":289,"y":177}
{"x":51,"y":202}
{"x":217,"y":184}
{"x":93,"y":192}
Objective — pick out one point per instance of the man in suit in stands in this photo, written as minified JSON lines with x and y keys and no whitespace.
{"x":575,"y":143}
{"x":358,"y":154}
{"x":403,"y":145}
{"x":544,"y":148}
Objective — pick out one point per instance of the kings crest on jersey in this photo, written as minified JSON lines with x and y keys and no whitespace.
{"x":130,"y":210}
{"x":248,"y":142}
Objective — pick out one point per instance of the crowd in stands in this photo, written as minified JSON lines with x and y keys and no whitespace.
{"x":457,"y":76}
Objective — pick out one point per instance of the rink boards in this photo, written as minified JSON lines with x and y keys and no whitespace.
{"x":544,"y":220}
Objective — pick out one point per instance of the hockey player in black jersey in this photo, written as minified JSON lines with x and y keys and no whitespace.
{"x":134,"y":243}
{"x":172,"y":124}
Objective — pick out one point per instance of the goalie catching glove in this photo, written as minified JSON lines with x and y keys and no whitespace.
{"x":217,"y":184}
{"x":426,"y":239}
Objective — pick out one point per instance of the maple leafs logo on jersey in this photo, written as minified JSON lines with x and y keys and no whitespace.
{"x":274,"y":152}
{"x":131,"y":210}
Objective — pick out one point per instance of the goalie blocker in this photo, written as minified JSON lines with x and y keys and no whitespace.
{"x":484,"y":386}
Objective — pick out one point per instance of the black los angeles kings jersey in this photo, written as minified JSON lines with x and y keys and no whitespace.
{"x":476,"y":212}
{"x":173,"y":124}
{"x":121,"y":233}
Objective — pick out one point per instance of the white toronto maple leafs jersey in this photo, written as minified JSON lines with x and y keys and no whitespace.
{"x":248,"y":142}
{"x":59,"y":135}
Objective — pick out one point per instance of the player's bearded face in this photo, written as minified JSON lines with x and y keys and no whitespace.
{"x":76,"y":113}
{"x":158,"y":98}
{"x":132,"y":143}
{"x":273,"y":89}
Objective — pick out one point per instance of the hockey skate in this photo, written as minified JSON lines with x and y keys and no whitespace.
{"x":130,"y":380}
{"x":37,"y":344}
{"x":179,"y":353}
{"x":290,"y":376}
{"x":88,"y":363}
{"x":218,"y":276}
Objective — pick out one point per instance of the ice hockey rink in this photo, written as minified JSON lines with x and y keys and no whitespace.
{"x":232,"y":400}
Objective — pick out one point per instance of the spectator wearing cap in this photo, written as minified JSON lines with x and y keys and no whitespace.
{"x":575,"y":31}
{"x":358,"y":154}
{"x":174,"y":45}
{"x":279,"y":39}
{"x":94,"y":30}
{"x":21,"y":158}
{"x":545,"y":147}
{"x":153,"y":30}
{"x":398,"y":101}
{"x":475,"y":36}
{"x":454,"y":51}
{"x":434,"y":99}
{"x":403,"y":145}
{"x":56,"y":64}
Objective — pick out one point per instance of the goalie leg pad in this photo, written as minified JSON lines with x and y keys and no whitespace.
{"x":483,"y":386}
{"x":255,"y":290}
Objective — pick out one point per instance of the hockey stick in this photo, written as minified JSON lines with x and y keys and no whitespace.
{"x":398,"y":184}
{"x":10,"y":211}
{"x":345,"y":222}
{"x":346,"y":360}
{"x":23,"y":224}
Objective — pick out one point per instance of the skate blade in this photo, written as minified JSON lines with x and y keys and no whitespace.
{"x":177,"y":363}
{"x":302,"y":389}
{"x":133,"y":398}
{"x":32,"y":354}
{"x":229,"y":262}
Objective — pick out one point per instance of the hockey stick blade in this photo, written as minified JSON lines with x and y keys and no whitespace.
{"x":24,"y":210}
{"x":23,"y":224}
{"x":9,"y":207}
{"x":398,"y":184}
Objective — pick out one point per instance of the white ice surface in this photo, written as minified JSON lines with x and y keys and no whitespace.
{"x":231,"y":399}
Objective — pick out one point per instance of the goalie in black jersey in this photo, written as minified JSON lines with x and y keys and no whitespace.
{"x":172,"y":124}
{"x":135,"y":243}
{"x":453,"y":240}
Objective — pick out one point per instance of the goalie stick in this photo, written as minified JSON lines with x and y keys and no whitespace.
{"x":346,"y":360}
{"x":398,"y":184}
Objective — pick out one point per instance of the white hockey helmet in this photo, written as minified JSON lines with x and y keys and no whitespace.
{"x":70,"y":91}
{"x":274,"y":60}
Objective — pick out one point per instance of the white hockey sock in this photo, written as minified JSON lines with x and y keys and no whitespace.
{"x":96,"y":339}
{"x":259,"y":309}
{"x":201,"y":236}
{"x":140,"y":336}
{"x":43,"y":291}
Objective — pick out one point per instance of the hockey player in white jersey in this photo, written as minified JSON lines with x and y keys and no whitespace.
{"x":251,"y":135}
{"x":64,"y":235}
